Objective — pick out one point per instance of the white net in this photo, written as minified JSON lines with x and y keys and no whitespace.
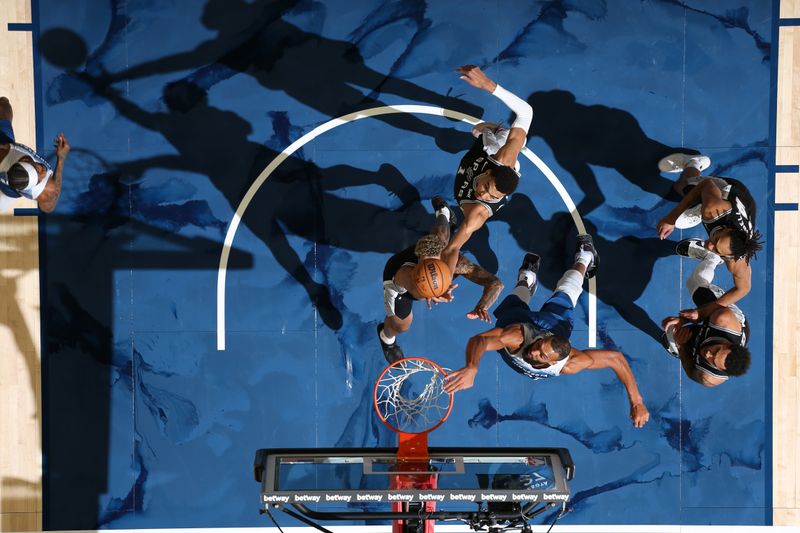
{"x":410,"y":396}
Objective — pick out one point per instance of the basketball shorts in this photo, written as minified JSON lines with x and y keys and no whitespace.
{"x":555,"y":315}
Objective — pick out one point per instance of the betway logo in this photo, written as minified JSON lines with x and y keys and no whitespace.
{"x":551,"y":497}
{"x":306,"y":498}
{"x":431,"y":497}
{"x":494,"y":497}
{"x":368,"y":497}
{"x":338,"y":498}
{"x":525,"y":497}
{"x":462,"y":497}
{"x":399,"y":497}
{"x":272,"y":499}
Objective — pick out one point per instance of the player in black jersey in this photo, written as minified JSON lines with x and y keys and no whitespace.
{"x":400,"y":292}
{"x":727,"y":211}
{"x":489,"y":170}
{"x":710,"y":348}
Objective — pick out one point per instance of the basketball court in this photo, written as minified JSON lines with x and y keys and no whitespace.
{"x":201,"y":307}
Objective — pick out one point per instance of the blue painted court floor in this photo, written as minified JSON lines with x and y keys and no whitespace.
{"x":173,"y":110}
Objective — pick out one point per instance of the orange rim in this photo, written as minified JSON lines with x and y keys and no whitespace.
{"x":375,"y":396}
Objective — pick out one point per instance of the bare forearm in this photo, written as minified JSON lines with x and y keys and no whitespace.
{"x":492,"y":286}
{"x":47,"y":200}
{"x":476,"y":347}
{"x":693,"y":197}
{"x":624,"y":373}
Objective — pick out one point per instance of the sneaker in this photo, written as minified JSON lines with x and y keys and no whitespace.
{"x":440,"y":203}
{"x":678,"y":162}
{"x":690,"y":218}
{"x":693,"y":248}
{"x":530,"y":263}
{"x":392,"y":352}
{"x":585,"y":244}
{"x":669,"y":344}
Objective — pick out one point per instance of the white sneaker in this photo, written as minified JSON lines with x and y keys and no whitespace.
{"x":690,"y":218}
{"x":678,"y":162}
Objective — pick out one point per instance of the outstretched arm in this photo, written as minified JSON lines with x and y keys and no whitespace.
{"x":475,"y":216}
{"x":596,"y":359}
{"x":508,"y":153}
{"x":492,"y":287}
{"x":741,"y":272}
{"x":48,"y":198}
{"x":666,"y":225}
{"x":494,"y":339}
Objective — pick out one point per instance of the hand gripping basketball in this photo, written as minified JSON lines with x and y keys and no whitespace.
{"x":432,"y":277}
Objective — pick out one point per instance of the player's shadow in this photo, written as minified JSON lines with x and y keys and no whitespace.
{"x":554,"y":240}
{"x":297,"y":198}
{"x":252,"y":38}
{"x":582,"y":136}
{"x":88,"y":350}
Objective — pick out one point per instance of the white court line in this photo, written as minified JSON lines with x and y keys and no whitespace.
{"x":358,"y":115}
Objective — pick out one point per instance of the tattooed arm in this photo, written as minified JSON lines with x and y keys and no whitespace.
{"x":492,"y":287}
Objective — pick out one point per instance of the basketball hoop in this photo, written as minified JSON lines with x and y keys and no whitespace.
{"x":410,"y":399}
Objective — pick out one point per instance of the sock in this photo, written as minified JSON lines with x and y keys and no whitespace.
{"x":522,"y":292}
{"x":584,"y":257}
{"x":385,"y":339}
{"x":445,"y":212}
{"x":527,"y":276}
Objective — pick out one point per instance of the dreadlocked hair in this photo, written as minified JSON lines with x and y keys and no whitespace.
{"x":746,"y":245}
{"x":429,"y":246}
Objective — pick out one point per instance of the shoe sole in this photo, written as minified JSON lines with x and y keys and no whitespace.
{"x":667,"y":164}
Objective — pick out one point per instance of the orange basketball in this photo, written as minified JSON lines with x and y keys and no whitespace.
{"x":432,"y":277}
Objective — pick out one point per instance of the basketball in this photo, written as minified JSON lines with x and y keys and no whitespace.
{"x":432,"y":277}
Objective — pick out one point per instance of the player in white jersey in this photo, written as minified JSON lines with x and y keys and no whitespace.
{"x":23,"y":172}
{"x":536,"y":343}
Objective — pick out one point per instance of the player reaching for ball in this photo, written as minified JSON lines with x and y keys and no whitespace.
{"x":418,"y":273}
{"x":536,"y":343}
{"x":489,"y":172}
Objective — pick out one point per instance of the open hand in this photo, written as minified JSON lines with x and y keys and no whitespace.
{"x":639,"y":414}
{"x":664,"y":228}
{"x":481,"y":313}
{"x":475,"y":77}
{"x":460,"y":379}
{"x":61,"y":145}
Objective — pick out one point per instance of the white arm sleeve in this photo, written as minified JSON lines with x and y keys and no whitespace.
{"x":521,"y":108}
{"x":390,"y":293}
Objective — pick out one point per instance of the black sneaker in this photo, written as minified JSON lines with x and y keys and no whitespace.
{"x":585,"y":244}
{"x":530,"y":262}
{"x":391,"y":352}
{"x":440,"y":203}
{"x":691,"y":248}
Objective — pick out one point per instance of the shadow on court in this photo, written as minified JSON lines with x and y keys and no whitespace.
{"x":582,"y":136}
{"x":554,"y":240}
{"x":87,"y":346}
{"x":327,"y":75}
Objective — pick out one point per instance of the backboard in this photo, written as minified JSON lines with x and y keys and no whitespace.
{"x":479,"y":486}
